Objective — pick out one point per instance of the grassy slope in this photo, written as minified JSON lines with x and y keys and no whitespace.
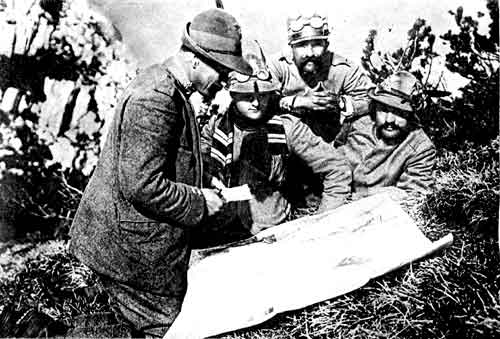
{"x":454,"y":294}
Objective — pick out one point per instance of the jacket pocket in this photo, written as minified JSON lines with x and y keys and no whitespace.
{"x":151,"y":236}
{"x":157,"y":255}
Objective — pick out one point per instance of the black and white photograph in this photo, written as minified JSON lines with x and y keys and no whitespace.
{"x":249,"y":169}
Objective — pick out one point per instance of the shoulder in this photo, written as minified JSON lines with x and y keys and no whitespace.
{"x":364,"y":122}
{"x":284,"y":56}
{"x":420,"y":141}
{"x":281,"y":63}
{"x":345,"y":68}
{"x":297,"y":132}
{"x":153,"y":81}
{"x":340,"y":61}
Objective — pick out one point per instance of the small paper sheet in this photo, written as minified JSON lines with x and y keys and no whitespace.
{"x":239,"y":193}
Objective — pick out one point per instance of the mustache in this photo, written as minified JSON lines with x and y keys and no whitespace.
{"x":389,"y":125}
{"x":312,"y":59}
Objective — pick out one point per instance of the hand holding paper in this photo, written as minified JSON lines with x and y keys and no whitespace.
{"x":239,"y":193}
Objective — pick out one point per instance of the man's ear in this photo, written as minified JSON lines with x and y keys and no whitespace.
{"x":327,"y":44}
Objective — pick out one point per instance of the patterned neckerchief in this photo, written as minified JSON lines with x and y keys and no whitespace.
{"x":222,"y":144}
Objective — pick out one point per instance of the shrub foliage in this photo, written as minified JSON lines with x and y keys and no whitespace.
{"x":57,"y":89}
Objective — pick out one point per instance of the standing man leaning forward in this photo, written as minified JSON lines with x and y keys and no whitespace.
{"x":318,"y":85}
{"x":389,"y":148}
{"x":133,"y":224}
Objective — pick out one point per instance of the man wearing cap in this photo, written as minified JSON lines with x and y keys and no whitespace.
{"x":320,"y":86}
{"x":323,"y":88}
{"x":134,"y":221}
{"x":249,"y":144}
{"x":389,"y":148}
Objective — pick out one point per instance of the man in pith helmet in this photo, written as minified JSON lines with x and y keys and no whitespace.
{"x":145,"y":196}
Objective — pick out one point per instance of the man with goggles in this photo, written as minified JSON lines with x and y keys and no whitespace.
{"x":250,"y":144}
{"x":321,"y":87}
{"x":318,"y":85}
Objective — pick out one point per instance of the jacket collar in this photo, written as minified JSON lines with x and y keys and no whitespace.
{"x":173,"y":64}
{"x":337,"y":59}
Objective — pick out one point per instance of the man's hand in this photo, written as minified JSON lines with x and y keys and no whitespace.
{"x":213,"y":199}
{"x":317,"y":101}
{"x":217,"y":183}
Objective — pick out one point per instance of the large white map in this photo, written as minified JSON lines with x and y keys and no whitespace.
{"x":297,"y":264}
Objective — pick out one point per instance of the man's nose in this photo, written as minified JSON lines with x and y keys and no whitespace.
{"x":223,"y":77}
{"x":255,"y":101}
{"x":308,"y":50}
{"x":390,"y":117}
{"x":218,"y":85}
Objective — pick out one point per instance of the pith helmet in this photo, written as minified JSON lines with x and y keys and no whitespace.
{"x":401,"y":90}
{"x":307,"y":27}
{"x":216,"y":35}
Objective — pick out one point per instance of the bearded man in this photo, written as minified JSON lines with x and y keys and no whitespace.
{"x":321,"y":87}
{"x":388,"y":147}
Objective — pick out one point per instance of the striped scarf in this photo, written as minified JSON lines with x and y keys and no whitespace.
{"x":222,"y":144}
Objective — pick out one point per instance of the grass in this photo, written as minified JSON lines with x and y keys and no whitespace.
{"x":451,"y":295}
{"x":454,"y":294}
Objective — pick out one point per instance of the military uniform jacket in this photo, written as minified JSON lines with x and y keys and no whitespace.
{"x":273,"y":207}
{"x":133,"y":221}
{"x":374,"y":164}
{"x":342,"y":78}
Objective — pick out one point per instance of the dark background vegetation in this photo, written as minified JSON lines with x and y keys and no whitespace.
{"x":452,"y":295}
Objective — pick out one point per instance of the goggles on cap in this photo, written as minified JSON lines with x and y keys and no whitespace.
{"x":316,"y":21}
{"x":262,"y":74}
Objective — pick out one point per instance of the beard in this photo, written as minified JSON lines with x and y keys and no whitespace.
{"x":310,"y":65}
{"x":391,"y":133}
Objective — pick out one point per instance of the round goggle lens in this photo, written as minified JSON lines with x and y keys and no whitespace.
{"x":316,"y":22}
{"x":299,"y":23}
{"x":262,"y":74}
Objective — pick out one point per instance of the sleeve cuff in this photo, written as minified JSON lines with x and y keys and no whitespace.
{"x":286,"y":103}
{"x":348,"y":108}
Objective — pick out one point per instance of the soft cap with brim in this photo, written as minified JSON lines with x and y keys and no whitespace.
{"x":390,"y":100}
{"x":215,"y":35}
{"x":401,"y":90}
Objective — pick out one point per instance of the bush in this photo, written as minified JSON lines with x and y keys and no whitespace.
{"x":59,"y":90}
{"x":471,"y":116}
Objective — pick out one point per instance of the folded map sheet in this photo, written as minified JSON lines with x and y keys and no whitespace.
{"x":297,"y":264}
